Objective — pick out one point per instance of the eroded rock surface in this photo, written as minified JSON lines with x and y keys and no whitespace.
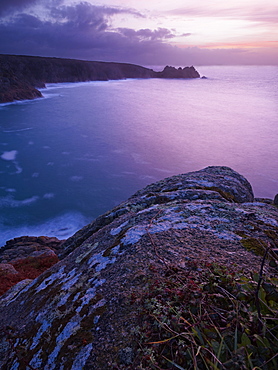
{"x":78,"y":314}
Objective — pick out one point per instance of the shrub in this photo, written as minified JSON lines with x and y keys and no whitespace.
{"x":208,"y":317}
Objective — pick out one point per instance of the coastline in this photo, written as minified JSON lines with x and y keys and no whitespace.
{"x":21,"y":77}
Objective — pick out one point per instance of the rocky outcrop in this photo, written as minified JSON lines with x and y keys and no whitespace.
{"x":21,"y":75}
{"x":26,"y":258}
{"x":80,"y":313}
{"x":172,"y":72}
{"x":13,"y":87}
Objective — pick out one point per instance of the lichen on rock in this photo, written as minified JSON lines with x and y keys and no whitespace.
{"x":77,"y":314}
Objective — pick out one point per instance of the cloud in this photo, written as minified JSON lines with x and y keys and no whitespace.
{"x":15,"y":6}
{"x":8,"y":5}
{"x":78,"y":31}
{"x":86,"y":14}
{"x":84,"y":31}
{"x":147,"y":34}
{"x":267,"y":14}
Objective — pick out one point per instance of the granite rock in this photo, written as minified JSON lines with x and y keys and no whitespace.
{"x":26,"y":257}
{"x":78,"y":314}
{"x":7,"y":269}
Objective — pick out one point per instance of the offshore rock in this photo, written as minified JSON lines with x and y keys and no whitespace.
{"x":20,"y":76}
{"x":79,"y":314}
{"x":172,"y":72}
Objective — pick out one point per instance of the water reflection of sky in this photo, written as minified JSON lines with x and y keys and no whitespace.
{"x":87,"y":148}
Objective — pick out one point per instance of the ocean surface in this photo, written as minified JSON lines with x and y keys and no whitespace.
{"x":84,"y":148}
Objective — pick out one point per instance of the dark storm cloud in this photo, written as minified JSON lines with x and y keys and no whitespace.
{"x":79,"y":31}
{"x":84,"y":31}
{"x":85,"y":14}
{"x":8,"y":5}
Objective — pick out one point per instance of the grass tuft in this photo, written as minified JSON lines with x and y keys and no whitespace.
{"x":206,"y":317}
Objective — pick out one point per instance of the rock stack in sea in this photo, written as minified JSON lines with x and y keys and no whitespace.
{"x":81,"y":312}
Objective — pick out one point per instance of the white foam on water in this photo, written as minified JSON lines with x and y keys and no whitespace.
{"x":10,"y":155}
{"x":163,"y":170}
{"x":48,"y":93}
{"x":10,"y":202}
{"x":18,"y":102}
{"x":19,"y":130}
{"x":76,"y":178}
{"x":48,"y":196}
{"x":138,"y":158}
{"x":62,"y":227}
{"x":147,"y":177}
{"x":8,"y":190}
{"x":69,"y":85}
{"x":18,"y":168}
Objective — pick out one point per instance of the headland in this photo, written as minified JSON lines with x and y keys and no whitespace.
{"x":21,"y":76}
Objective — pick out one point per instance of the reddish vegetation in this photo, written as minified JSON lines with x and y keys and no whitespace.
{"x":27,"y":268}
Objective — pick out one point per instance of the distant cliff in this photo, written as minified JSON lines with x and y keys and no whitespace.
{"x":20,"y":76}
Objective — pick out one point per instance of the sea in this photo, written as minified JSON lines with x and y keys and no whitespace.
{"x":69,"y":157}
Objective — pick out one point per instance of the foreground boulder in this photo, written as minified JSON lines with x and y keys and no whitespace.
{"x":78,"y":314}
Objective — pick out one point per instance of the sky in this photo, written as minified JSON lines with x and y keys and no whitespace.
{"x":145,"y":32}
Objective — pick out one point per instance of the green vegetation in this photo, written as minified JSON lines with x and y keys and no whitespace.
{"x":254,"y":245}
{"x":207,"y":317}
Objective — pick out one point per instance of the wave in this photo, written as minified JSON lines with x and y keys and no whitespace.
{"x":19,"y":130}
{"x":9,"y":155}
{"x":18,"y":102}
{"x":10,"y":202}
{"x":62,"y":227}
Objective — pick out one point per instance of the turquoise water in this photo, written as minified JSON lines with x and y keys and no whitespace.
{"x":84,"y":148}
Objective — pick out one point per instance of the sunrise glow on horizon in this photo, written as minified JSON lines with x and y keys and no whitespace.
{"x":145,"y":32}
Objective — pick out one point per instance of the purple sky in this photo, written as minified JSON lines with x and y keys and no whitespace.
{"x":176,"y":32}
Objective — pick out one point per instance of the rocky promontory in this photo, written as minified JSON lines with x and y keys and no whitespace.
{"x":83,"y":312}
{"x":20,"y":76}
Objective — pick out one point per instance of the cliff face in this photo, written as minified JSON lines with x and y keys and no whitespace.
{"x":79,"y":314}
{"x":20,"y":75}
